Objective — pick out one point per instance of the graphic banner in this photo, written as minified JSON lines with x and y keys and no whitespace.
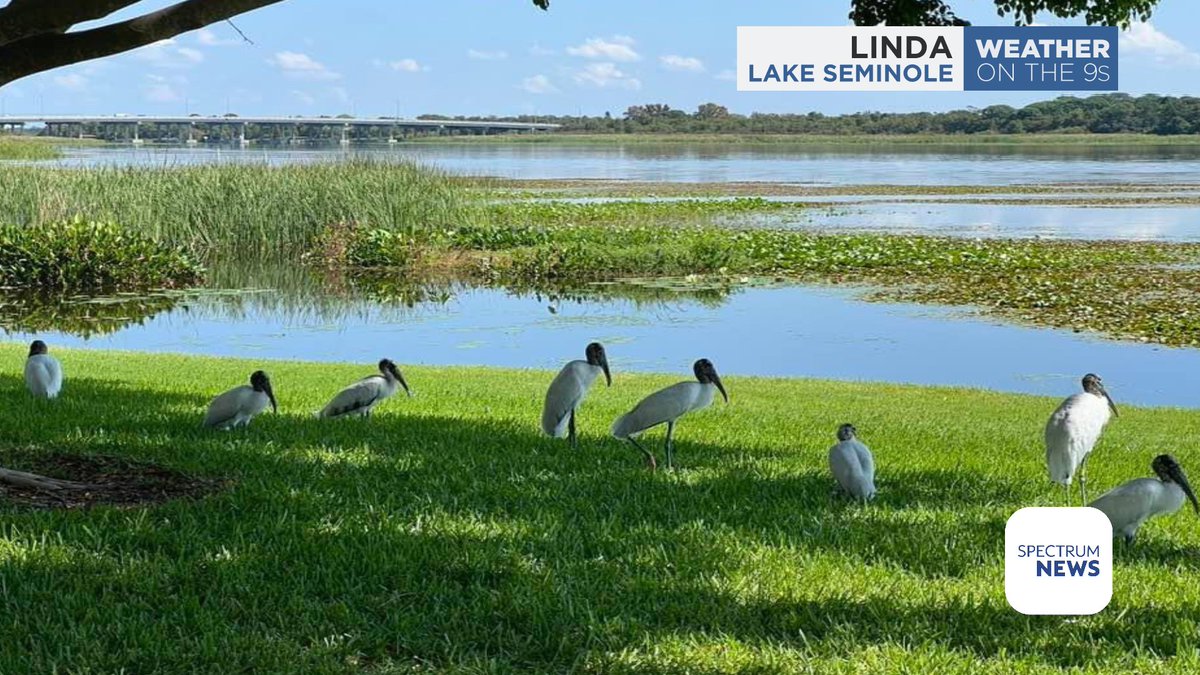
{"x":952,"y":58}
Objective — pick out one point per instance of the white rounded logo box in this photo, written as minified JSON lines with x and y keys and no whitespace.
{"x":1058,"y":561}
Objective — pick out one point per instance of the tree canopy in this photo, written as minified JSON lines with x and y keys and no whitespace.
{"x":939,"y":13}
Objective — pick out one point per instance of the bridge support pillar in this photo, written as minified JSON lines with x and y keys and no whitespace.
{"x":242,"y":135}
{"x":345,"y":135}
{"x":137,"y":135}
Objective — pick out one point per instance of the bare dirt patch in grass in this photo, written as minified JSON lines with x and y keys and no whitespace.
{"x":100,"y":481}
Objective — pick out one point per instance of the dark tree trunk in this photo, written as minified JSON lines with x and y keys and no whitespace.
{"x":34,"y":37}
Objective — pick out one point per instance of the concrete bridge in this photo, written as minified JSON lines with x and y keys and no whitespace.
{"x":394,"y":124}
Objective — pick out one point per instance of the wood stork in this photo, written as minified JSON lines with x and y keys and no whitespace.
{"x":568,"y":389}
{"x":43,"y":373}
{"x":667,"y":406}
{"x":852,"y":464}
{"x":1073,"y":430}
{"x":361,"y":397}
{"x":236,"y":407}
{"x":1131,"y":504}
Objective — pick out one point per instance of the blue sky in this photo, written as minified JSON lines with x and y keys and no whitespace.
{"x":377,"y":57}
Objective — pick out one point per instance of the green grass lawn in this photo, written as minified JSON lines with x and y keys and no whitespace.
{"x":445,"y":534}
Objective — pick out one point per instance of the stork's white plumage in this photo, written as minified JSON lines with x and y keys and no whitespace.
{"x":43,"y":373}
{"x":569,"y":388}
{"x":665,"y":406}
{"x":1131,"y":504}
{"x":360,"y":398}
{"x":852,"y":465}
{"x":1072,"y":432}
{"x":236,"y":407}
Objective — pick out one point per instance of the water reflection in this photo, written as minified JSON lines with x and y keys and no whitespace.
{"x":754,"y":330}
{"x":84,"y":317}
{"x":851,"y":164}
{"x":1144,"y":223}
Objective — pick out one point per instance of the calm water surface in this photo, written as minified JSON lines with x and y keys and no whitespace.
{"x":781,"y":331}
{"x":962,"y":165}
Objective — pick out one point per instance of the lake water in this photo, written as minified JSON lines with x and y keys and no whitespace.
{"x":789,"y":331}
{"x":963,"y":165}
{"x":781,"y":331}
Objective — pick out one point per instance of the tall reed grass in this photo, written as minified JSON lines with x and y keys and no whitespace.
{"x":255,"y":210}
{"x":27,"y":149}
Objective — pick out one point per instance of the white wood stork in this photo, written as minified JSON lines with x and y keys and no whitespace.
{"x":667,"y":406}
{"x":361,"y":397}
{"x":852,"y":464}
{"x":569,"y":388}
{"x":236,"y":407}
{"x":43,"y":373}
{"x":1073,"y":430}
{"x":1131,"y":504}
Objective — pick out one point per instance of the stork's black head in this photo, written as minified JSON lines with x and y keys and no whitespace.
{"x":846,"y":432}
{"x":706,"y":373}
{"x":1169,"y":471}
{"x":37,"y":347}
{"x":1093,"y":385}
{"x":389,"y":369}
{"x":597,"y":357}
{"x":260,"y":382}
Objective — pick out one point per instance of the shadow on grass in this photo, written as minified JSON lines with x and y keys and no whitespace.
{"x":425,"y":539}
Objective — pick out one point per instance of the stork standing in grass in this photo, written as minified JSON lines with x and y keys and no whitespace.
{"x":43,"y":373}
{"x":569,"y":388}
{"x":852,"y":464}
{"x":665,"y":406}
{"x":236,"y":407}
{"x":1073,"y":430}
{"x":1131,"y":504}
{"x":360,"y":398}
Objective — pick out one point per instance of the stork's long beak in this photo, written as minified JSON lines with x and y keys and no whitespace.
{"x":604,"y":367}
{"x":1111,"y":405}
{"x":403,"y":383}
{"x":716,"y":379}
{"x":1178,"y":476}
{"x":271,"y":395}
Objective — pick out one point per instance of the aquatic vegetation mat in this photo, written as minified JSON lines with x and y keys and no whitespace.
{"x":96,"y":480}
{"x":1132,"y":290}
{"x":79,"y":255}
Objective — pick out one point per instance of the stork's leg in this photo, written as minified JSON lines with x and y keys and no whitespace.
{"x":670,"y":445}
{"x":1068,"y":487}
{"x":1083,"y":479}
{"x":649,"y":457}
{"x":571,"y":432}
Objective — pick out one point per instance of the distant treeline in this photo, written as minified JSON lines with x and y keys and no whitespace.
{"x":1101,"y":114}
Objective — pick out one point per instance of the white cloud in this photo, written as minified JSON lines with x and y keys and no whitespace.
{"x":538,"y":84}
{"x":190,"y":55}
{"x":162,"y":90}
{"x":168,"y":54}
{"x":407,"y":66}
{"x":209,"y":38}
{"x":606,"y":75}
{"x":617,"y":48}
{"x":727,"y":75}
{"x":688,"y":64}
{"x":481,"y":55}
{"x":71,"y":81}
{"x":1144,"y":38}
{"x":301,"y":66}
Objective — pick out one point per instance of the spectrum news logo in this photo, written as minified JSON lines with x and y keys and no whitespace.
{"x":1058,"y":561}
